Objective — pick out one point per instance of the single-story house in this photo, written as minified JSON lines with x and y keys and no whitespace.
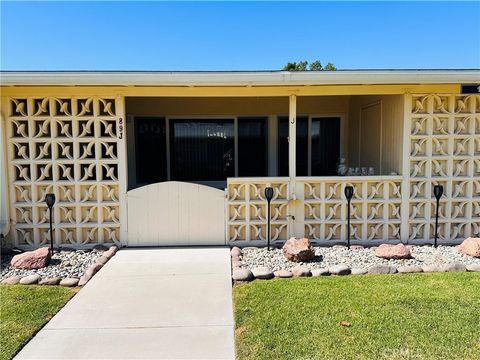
{"x":183,"y":158}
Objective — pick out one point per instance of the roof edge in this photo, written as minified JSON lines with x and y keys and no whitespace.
{"x":236,"y":78}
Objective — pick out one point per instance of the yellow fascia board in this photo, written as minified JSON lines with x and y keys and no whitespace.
{"x":229,"y":91}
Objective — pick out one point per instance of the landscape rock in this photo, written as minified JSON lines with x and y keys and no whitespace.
{"x":473,"y":267}
{"x":50,"y":281}
{"x":433,"y":268}
{"x":298,"y":250}
{"x":30,"y":279}
{"x":236,"y":251}
{"x":359,"y":271}
{"x":262,"y":272}
{"x":470,"y":247}
{"x":388,"y":251}
{"x":84,"y":279}
{"x":339,"y":270}
{"x":113,"y":248}
{"x":102,"y":260}
{"x":93,"y":269}
{"x":242,"y":275}
{"x":456,"y":267}
{"x":109,"y":254}
{"x":69,"y":282}
{"x":12,"y":280}
{"x":31,"y":259}
{"x":283,"y":274}
{"x":236,"y":263}
{"x":301,"y":271}
{"x":409,"y":269}
{"x":382,"y":269}
{"x":320,"y":272}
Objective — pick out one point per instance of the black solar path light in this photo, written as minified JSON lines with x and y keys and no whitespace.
{"x":438,"y":192}
{"x":269,"y":197}
{"x":50,"y":200}
{"x":348,"y":194}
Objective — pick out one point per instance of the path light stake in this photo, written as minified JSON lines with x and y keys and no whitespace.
{"x":50,"y":200}
{"x":348,"y":194}
{"x":268,"y":196}
{"x":438,"y":192}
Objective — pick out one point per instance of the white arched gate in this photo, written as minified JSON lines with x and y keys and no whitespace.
{"x":175,"y":214}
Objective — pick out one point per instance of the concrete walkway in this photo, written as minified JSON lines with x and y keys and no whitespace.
{"x":146,"y":304}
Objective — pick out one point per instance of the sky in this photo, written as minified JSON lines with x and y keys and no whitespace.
{"x":238,"y":36}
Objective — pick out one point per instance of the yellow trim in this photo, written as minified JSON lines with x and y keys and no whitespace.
{"x":228,"y":91}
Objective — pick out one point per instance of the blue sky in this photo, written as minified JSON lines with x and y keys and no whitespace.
{"x":238,"y":36}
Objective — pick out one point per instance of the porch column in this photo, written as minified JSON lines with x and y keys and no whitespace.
{"x":292,"y":161}
{"x":292,"y":136}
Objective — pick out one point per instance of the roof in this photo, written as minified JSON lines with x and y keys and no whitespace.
{"x":238,"y":78}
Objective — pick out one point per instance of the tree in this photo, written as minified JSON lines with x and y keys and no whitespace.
{"x":293,"y":66}
{"x":314,"y":66}
{"x":330,"y":67}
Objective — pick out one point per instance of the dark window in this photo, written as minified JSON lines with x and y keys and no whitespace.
{"x":302,"y":146}
{"x":202,"y":150}
{"x":325,"y":146}
{"x":471,"y":89}
{"x":252,"y":146}
{"x":150,"y":150}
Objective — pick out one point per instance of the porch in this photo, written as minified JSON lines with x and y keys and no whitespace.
{"x":243,"y":144}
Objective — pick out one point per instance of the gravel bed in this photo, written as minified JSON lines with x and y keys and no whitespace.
{"x":364,"y":258}
{"x":64,"y":264}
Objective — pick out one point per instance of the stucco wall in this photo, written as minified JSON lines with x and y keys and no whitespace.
{"x":375,"y":132}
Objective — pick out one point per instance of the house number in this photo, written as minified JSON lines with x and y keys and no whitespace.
{"x":120,"y":128}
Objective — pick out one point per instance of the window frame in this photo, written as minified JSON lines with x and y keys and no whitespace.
{"x":309,"y":117}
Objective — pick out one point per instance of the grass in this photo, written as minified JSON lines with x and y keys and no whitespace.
{"x":414,"y":316}
{"x":24,"y":310}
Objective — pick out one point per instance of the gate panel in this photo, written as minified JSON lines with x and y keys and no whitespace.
{"x":176,"y":214}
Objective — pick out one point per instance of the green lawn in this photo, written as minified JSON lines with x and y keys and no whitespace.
{"x":414,"y":316}
{"x":24,"y":310}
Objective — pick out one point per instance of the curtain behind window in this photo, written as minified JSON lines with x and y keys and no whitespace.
{"x":202,"y":150}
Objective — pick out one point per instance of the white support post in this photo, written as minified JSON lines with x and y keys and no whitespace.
{"x":405,"y":206}
{"x":292,"y":136}
{"x":292,"y":158}
{"x":122,"y":167}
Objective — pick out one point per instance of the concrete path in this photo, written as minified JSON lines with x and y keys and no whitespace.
{"x":146,"y":304}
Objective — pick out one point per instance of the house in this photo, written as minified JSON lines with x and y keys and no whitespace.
{"x":183,"y":158}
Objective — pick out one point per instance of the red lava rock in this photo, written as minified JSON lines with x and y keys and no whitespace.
{"x":470,"y":247}
{"x":387,"y":251}
{"x":298,"y":250}
{"x":36,"y":259}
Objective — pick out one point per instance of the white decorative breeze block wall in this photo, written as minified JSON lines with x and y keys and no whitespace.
{"x":445,"y":150}
{"x":247,"y":210}
{"x":68,"y":146}
{"x":374,"y":209}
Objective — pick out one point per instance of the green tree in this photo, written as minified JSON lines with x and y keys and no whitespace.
{"x":316,"y":66}
{"x":330,"y":67}
{"x":303,"y":66}
{"x":294,"y":66}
